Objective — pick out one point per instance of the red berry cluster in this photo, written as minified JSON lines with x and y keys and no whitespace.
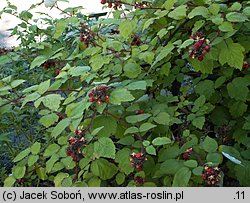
{"x":139,"y":180}
{"x":211,"y":175}
{"x":137,"y":112}
{"x":75,"y":144}
{"x":99,"y":95}
{"x":200,"y":48}
{"x":136,"y":41}
{"x":186,"y":155}
{"x":245,"y":65}
{"x":141,"y":5}
{"x":112,"y":3}
{"x":49,"y":64}
{"x":4,"y":51}
{"x":137,"y":160}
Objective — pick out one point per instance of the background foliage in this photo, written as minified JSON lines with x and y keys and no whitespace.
{"x":163,"y":83}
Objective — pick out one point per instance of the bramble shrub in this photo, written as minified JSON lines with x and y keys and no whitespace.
{"x":158,"y":95}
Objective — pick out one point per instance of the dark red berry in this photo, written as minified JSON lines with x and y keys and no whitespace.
{"x":103,"y":1}
{"x":139,"y":112}
{"x":200,"y":58}
{"x":57,"y":71}
{"x":110,"y":5}
{"x":68,"y":153}
{"x":207,"y":48}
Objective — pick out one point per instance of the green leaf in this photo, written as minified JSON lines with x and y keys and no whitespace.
{"x":60,"y":27}
{"x":104,"y":147}
{"x":96,"y":131}
{"x":220,"y":81}
{"x":161,"y":141}
{"x":123,"y":160}
{"x":238,"y":89}
{"x":49,"y":3}
{"x":52,"y":101}
{"x":137,"y":118}
{"x":214,"y":9}
{"x":48,"y":120}
{"x":22,"y":155}
{"x":30,"y":98}
{"x":129,"y":140}
{"x":60,"y":127}
{"x":16,"y":83}
{"x":226,"y":27}
{"x":103,"y":169}
{"x":151,"y":150}
{"x":147,"y":57}
{"x":200,"y":10}
{"x":205,"y":66}
{"x":18,"y":171}
{"x":120,"y":178}
{"x":178,"y":13}
{"x":94,"y":182}
{"x":138,"y":85}
{"x":50,"y":163}
{"x":169,"y":4}
{"x":198,"y":171}
{"x":35,"y":148}
{"x":162,"y":118}
{"x":78,"y":71}
{"x":165,"y":51}
{"x":126,"y":28}
{"x":199,"y":122}
{"x":186,"y":43}
{"x":41,"y":173}
{"x":209,"y":145}
{"x":171,"y":166}
{"x":181,"y":178}
{"x":246,"y":125}
{"x":191,"y":163}
{"x":9,"y":181}
{"x":236,"y":17}
{"x":243,"y":173}
{"x":132,"y":70}
{"x":214,"y":157}
{"x":108,"y":123}
{"x":237,"y":108}
{"x":39,"y":60}
{"x":120,"y":95}
{"x":146,"y":127}
{"x":231,"y":53}
{"x":43,"y":87}
{"x":205,"y":88}
{"x":131,"y":130}
{"x":51,"y":149}
{"x":59,"y":178}
{"x":32,"y":159}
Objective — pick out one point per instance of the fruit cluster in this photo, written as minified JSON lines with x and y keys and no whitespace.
{"x":200,"y":47}
{"x":99,"y":95}
{"x":49,"y":64}
{"x":4,"y":51}
{"x":141,"y":5}
{"x":115,"y":4}
{"x":75,"y":144}
{"x":139,"y":180}
{"x":136,"y":41}
{"x":211,"y":175}
{"x":137,"y":160}
{"x":186,"y":155}
{"x":86,"y":37}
